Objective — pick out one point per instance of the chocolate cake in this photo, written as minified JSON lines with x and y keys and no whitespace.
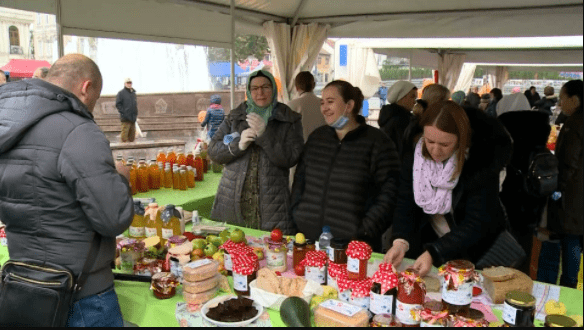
{"x":234,"y":310}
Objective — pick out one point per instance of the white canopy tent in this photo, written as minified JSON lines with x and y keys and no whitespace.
{"x":208,"y":22}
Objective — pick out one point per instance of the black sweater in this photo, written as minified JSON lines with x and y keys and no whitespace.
{"x":349,"y":185}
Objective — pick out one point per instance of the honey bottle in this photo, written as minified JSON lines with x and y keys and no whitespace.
{"x":137,"y":228}
{"x":181,"y":159}
{"x":142,"y":177}
{"x":171,"y":157}
{"x":153,"y":225}
{"x":190,"y":177}
{"x":170,"y":223}
{"x":175,"y":179}
{"x":191,"y":159}
{"x":133,"y":177}
{"x":200,"y":168}
{"x":161,"y":156}
{"x":153,"y":175}
{"x":161,"y":174}
{"x":183,"y":180}
{"x":167,"y":176}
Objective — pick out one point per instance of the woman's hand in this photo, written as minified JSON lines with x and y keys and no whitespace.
{"x":423,"y":264}
{"x":396,"y":254}
{"x":256,"y":123}
{"x":247,"y":137}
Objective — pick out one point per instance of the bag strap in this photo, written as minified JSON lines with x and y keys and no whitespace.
{"x":89,"y":262}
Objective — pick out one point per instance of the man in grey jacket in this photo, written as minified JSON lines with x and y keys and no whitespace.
{"x":127,"y":105}
{"x":58,"y":183}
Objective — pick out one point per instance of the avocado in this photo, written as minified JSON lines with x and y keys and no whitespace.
{"x":295,"y":312}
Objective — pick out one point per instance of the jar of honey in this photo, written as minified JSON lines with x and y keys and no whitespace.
{"x":138,"y":223}
{"x":358,"y":254}
{"x":170,"y":223}
{"x":154,"y":175}
{"x":183,"y":180}
{"x":133,"y":177}
{"x":143,"y":176}
{"x":190,"y":177}
{"x":153,"y":225}
{"x":167,"y":176}
{"x":298,"y":254}
{"x":458,"y":279}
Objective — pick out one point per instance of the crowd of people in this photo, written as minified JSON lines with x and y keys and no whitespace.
{"x":442,"y":179}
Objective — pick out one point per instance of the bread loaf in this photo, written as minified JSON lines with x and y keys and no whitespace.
{"x":202,"y":286}
{"x":200,"y":270}
{"x":199,"y":298}
{"x":497,"y":290}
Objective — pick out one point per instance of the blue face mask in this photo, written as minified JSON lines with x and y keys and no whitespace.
{"x":340,"y":123}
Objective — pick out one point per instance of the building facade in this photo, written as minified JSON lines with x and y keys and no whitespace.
{"x":15,"y":35}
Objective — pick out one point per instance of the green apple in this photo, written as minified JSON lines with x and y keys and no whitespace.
{"x":237,"y":236}
{"x":210,"y":238}
{"x":217,"y":241}
{"x":199,"y":244}
{"x":210,"y":250}
{"x":225,"y":234}
{"x":224,"y":240}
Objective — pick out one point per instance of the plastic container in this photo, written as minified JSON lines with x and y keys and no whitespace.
{"x":324,"y":241}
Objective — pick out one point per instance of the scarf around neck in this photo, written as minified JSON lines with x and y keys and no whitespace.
{"x":433,"y":183}
{"x":252,"y":107}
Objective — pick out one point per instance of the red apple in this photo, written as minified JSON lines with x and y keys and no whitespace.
{"x":277,"y":235}
{"x":299,"y":270}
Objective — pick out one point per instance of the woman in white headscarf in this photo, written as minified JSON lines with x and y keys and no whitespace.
{"x":396,"y":116}
{"x":513,"y":102}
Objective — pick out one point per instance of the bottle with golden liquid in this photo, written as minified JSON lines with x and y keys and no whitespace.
{"x":199,"y":166}
{"x":153,"y":175}
{"x":167,"y":176}
{"x":170,"y":223}
{"x":175,"y":178}
{"x":161,"y":174}
{"x":161,"y":156}
{"x":181,"y":159}
{"x":153,"y":225}
{"x":137,"y":228}
{"x":183,"y":180}
{"x":143,"y":176}
{"x":190,"y":159}
{"x":171,"y":157}
{"x":133,"y":177}
{"x":190,"y":177}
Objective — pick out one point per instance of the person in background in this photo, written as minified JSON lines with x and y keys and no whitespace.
{"x":258,"y":142}
{"x":496,"y":96}
{"x":435,"y":93}
{"x":532,"y":96}
{"x":347,"y":176}
{"x":214,"y":117}
{"x":565,"y":216}
{"x":548,"y":101}
{"x":513,"y":102}
{"x":485,"y":101}
{"x":2,"y":78}
{"x":516,"y":90}
{"x":395,"y":117}
{"x":448,"y":203}
{"x":41,"y":73}
{"x":127,"y":105}
{"x":382,"y":93}
{"x":307,"y":104}
{"x":459,"y":97}
{"x":473,"y":98}
{"x":65,"y":156}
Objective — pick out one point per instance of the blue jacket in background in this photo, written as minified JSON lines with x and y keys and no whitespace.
{"x":214,"y":118}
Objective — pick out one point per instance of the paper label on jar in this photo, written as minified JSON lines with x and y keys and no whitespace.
{"x":331,"y":282}
{"x":381,"y":304}
{"x":428,"y":325}
{"x":363,"y":302}
{"x":353,"y":265}
{"x":275,"y":259}
{"x":198,"y":263}
{"x":240,"y":282}
{"x":227,"y":263}
{"x":460,"y":297}
{"x":137,"y":231}
{"x":167,"y":233}
{"x":316,"y":274}
{"x":341,"y":307}
{"x":331,"y":254}
{"x":408,"y":313}
{"x":345,"y":296}
{"x":509,"y":314}
{"x":151,"y":232}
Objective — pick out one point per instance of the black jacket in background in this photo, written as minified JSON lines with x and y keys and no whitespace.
{"x":474,"y":100}
{"x":478,"y":216}
{"x":545,"y":105}
{"x":393,"y":121}
{"x":127,"y":105}
{"x":349,"y":185}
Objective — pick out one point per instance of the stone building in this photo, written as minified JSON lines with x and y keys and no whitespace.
{"x":15,"y":36}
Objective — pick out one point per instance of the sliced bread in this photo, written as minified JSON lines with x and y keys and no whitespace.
{"x":499,"y":274}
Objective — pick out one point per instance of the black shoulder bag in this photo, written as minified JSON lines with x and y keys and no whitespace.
{"x":40,"y":294}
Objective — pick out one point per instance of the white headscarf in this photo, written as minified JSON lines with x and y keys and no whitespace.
{"x":399,"y":90}
{"x":514,"y":102}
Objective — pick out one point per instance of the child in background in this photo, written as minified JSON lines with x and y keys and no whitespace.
{"x":214,"y":117}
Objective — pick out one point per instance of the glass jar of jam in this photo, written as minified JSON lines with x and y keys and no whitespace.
{"x":338,"y":251}
{"x":335,"y":271}
{"x":232,"y":249}
{"x":245,"y":267}
{"x":434,"y":315}
{"x":384,"y":290}
{"x":276,"y":255}
{"x":358,"y":254}
{"x":355,"y":292}
{"x":164,"y":285}
{"x":315,"y":266}
{"x":519,"y":309}
{"x":559,"y":321}
{"x":411,"y":293}
{"x":469,"y":318}
{"x":298,"y":254}
{"x":459,"y":277}
{"x":310,"y":245}
{"x":176,"y":241}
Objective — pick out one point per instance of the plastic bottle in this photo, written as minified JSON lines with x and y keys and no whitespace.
{"x":171,"y":157}
{"x":199,"y":167}
{"x":167,"y":176}
{"x":175,"y":179}
{"x":133,"y":177}
{"x":324,"y":241}
{"x":181,"y":159}
{"x":190,"y":177}
{"x":196,"y":220}
{"x":161,"y":156}
{"x":153,"y":175}
{"x":170,"y":223}
{"x":161,"y":174}
{"x":183,"y":180}
{"x":153,"y":225}
{"x":143,"y":176}
{"x":137,"y":228}
{"x":191,"y":159}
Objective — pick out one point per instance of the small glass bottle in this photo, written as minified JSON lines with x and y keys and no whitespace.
{"x":161,"y":174}
{"x":138,"y":224}
{"x":183,"y":180}
{"x":143,"y":176}
{"x":190,"y":177}
{"x":170,"y":223}
{"x":133,"y":177}
{"x":175,"y":179}
{"x":154,"y":175}
{"x":167,"y":176}
{"x":199,"y":167}
{"x":298,"y":254}
{"x":153,"y":226}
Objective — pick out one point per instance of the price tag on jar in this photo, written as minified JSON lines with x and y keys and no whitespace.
{"x":509,"y":314}
{"x":240,"y":282}
{"x":315,"y":274}
{"x":353,"y":265}
{"x":228,"y":262}
{"x":381,"y":304}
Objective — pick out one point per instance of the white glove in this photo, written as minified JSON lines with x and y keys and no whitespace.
{"x":247,"y":137}
{"x":256,"y":123}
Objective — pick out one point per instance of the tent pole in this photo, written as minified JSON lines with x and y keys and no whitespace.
{"x":232,"y":54}
{"x":60,"y":46}
{"x":410,"y":66}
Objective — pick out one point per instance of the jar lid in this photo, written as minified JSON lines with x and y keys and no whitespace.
{"x":359,"y":250}
{"x":521,"y":299}
{"x":309,"y":242}
{"x":339,"y":243}
{"x":559,"y":321}
{"x":314,"y":259}
{"x":461,"y":265}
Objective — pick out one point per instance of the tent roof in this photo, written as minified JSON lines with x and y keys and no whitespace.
{"x":223,"y":69}
{"x":23,"y":68}
{"x":207,"y":21}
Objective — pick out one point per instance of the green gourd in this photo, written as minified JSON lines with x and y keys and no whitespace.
{"x":295,"y":312}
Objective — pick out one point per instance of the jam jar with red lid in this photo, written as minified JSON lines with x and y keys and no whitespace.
{"x":245,"y":267}
{"x":458,"y":279}
{"x":358,"y":254}
{"x":355,"y":292}
{"x":315,"y":266}
{"x":384,"y":290}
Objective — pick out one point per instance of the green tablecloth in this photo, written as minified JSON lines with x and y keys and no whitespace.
{"x":199,"y":198}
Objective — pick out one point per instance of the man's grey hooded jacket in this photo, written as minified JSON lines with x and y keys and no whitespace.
{"x":58,"y":182}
